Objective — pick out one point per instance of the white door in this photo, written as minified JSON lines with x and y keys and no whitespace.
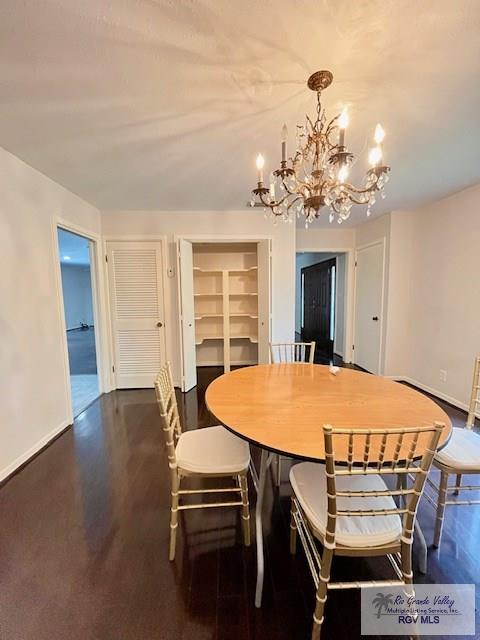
{"x":186,"y":314}
{"x":369,"y":274}
{"x":264,"y":258}
{"x":137,"y":310}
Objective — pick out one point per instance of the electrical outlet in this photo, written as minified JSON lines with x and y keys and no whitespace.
{"x":443,"y":375}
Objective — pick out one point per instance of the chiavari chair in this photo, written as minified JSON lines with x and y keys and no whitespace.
{"x":212,"y":452}
{"x":346,"y":505}
{"x":461,"y":456}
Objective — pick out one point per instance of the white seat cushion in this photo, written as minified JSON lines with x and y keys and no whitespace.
{"x":212,"y":450}
{"x":462,"y":450}
{"x":310,"y":487}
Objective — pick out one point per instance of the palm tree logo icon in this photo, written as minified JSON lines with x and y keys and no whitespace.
{"x":382,"y":601}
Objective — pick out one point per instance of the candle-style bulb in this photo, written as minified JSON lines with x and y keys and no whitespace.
{"x":379,"y":134}
{"x":284,"y":142}
{"x":343,"y":124}
{"x":374,"y":156}
{"x":343,"y":119}
{"x":343,"y":173}
{"x":260,"y":164}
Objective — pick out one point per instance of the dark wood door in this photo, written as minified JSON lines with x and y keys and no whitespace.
{"x":317,"y":304}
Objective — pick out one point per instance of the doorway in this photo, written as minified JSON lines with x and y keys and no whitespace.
{"x":321,"y":302}
{"x":76,"y":273}
{"x":318,"y":283}
{"x":369,"y":284}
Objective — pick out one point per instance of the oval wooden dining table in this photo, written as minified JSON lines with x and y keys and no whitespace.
{"x":282,"y":408}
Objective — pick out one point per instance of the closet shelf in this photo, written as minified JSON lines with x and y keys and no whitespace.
{"x":200,"y":316}
{"x":253,"y":339}
{"x":246,"y":270}
{"x":201,"y":339}
{"x":207,"y":271}
{"x":199,"y":270}
{"x":244,"y":315}
{"x":207,"y":295}
{"x":233,"y":294}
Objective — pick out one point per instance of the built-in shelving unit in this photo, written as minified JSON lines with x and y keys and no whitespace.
{"x":225,"y":286}
{"x":224,"y":304}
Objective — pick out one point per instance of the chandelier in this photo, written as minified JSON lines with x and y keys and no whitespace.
{"x":317,"y":174}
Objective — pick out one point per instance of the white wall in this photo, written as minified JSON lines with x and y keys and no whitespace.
{"x":120,"y":224}
{"x":325,"y":239}
{"x":77,"y":295}
{"x":436,"y":283}
{"x":401,"y":283}
{"x":34,"y":404}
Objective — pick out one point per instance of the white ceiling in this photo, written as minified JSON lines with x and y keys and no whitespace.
{"x":144,"y":104}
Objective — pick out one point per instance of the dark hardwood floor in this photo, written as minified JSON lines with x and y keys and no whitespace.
{"x":84,"y":544}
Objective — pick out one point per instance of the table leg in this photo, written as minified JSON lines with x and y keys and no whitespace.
{"x":266,"y":460}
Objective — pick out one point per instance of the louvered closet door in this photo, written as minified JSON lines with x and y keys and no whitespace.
{"x":137,"y":310}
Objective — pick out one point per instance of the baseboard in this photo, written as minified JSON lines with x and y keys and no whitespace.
{"x":434,"y":392}
{"x":339,"y":353}
{"x":24,"y":458}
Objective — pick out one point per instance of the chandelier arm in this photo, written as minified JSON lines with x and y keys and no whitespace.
{"x":347,"y":186}
{"x":293,"y":202}
{"x":355,"y":198}
{"x":298,"y":184}
{"x":357,"y":201}
{"x":272,"y":204}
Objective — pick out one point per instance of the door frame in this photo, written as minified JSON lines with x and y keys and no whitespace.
{"x":168,"y":348}
{"x":331,"y":262}
{"x":216,"y":239}
{"x":381,"y":350}
{"x":349,"y":290}
{"x":98,"y":303}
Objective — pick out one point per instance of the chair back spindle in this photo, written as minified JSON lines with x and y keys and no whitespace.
{"x":475,"y":395}
{"x":385,"y":452}
{"x":287,"y":352}
{"x":167,"y":404}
